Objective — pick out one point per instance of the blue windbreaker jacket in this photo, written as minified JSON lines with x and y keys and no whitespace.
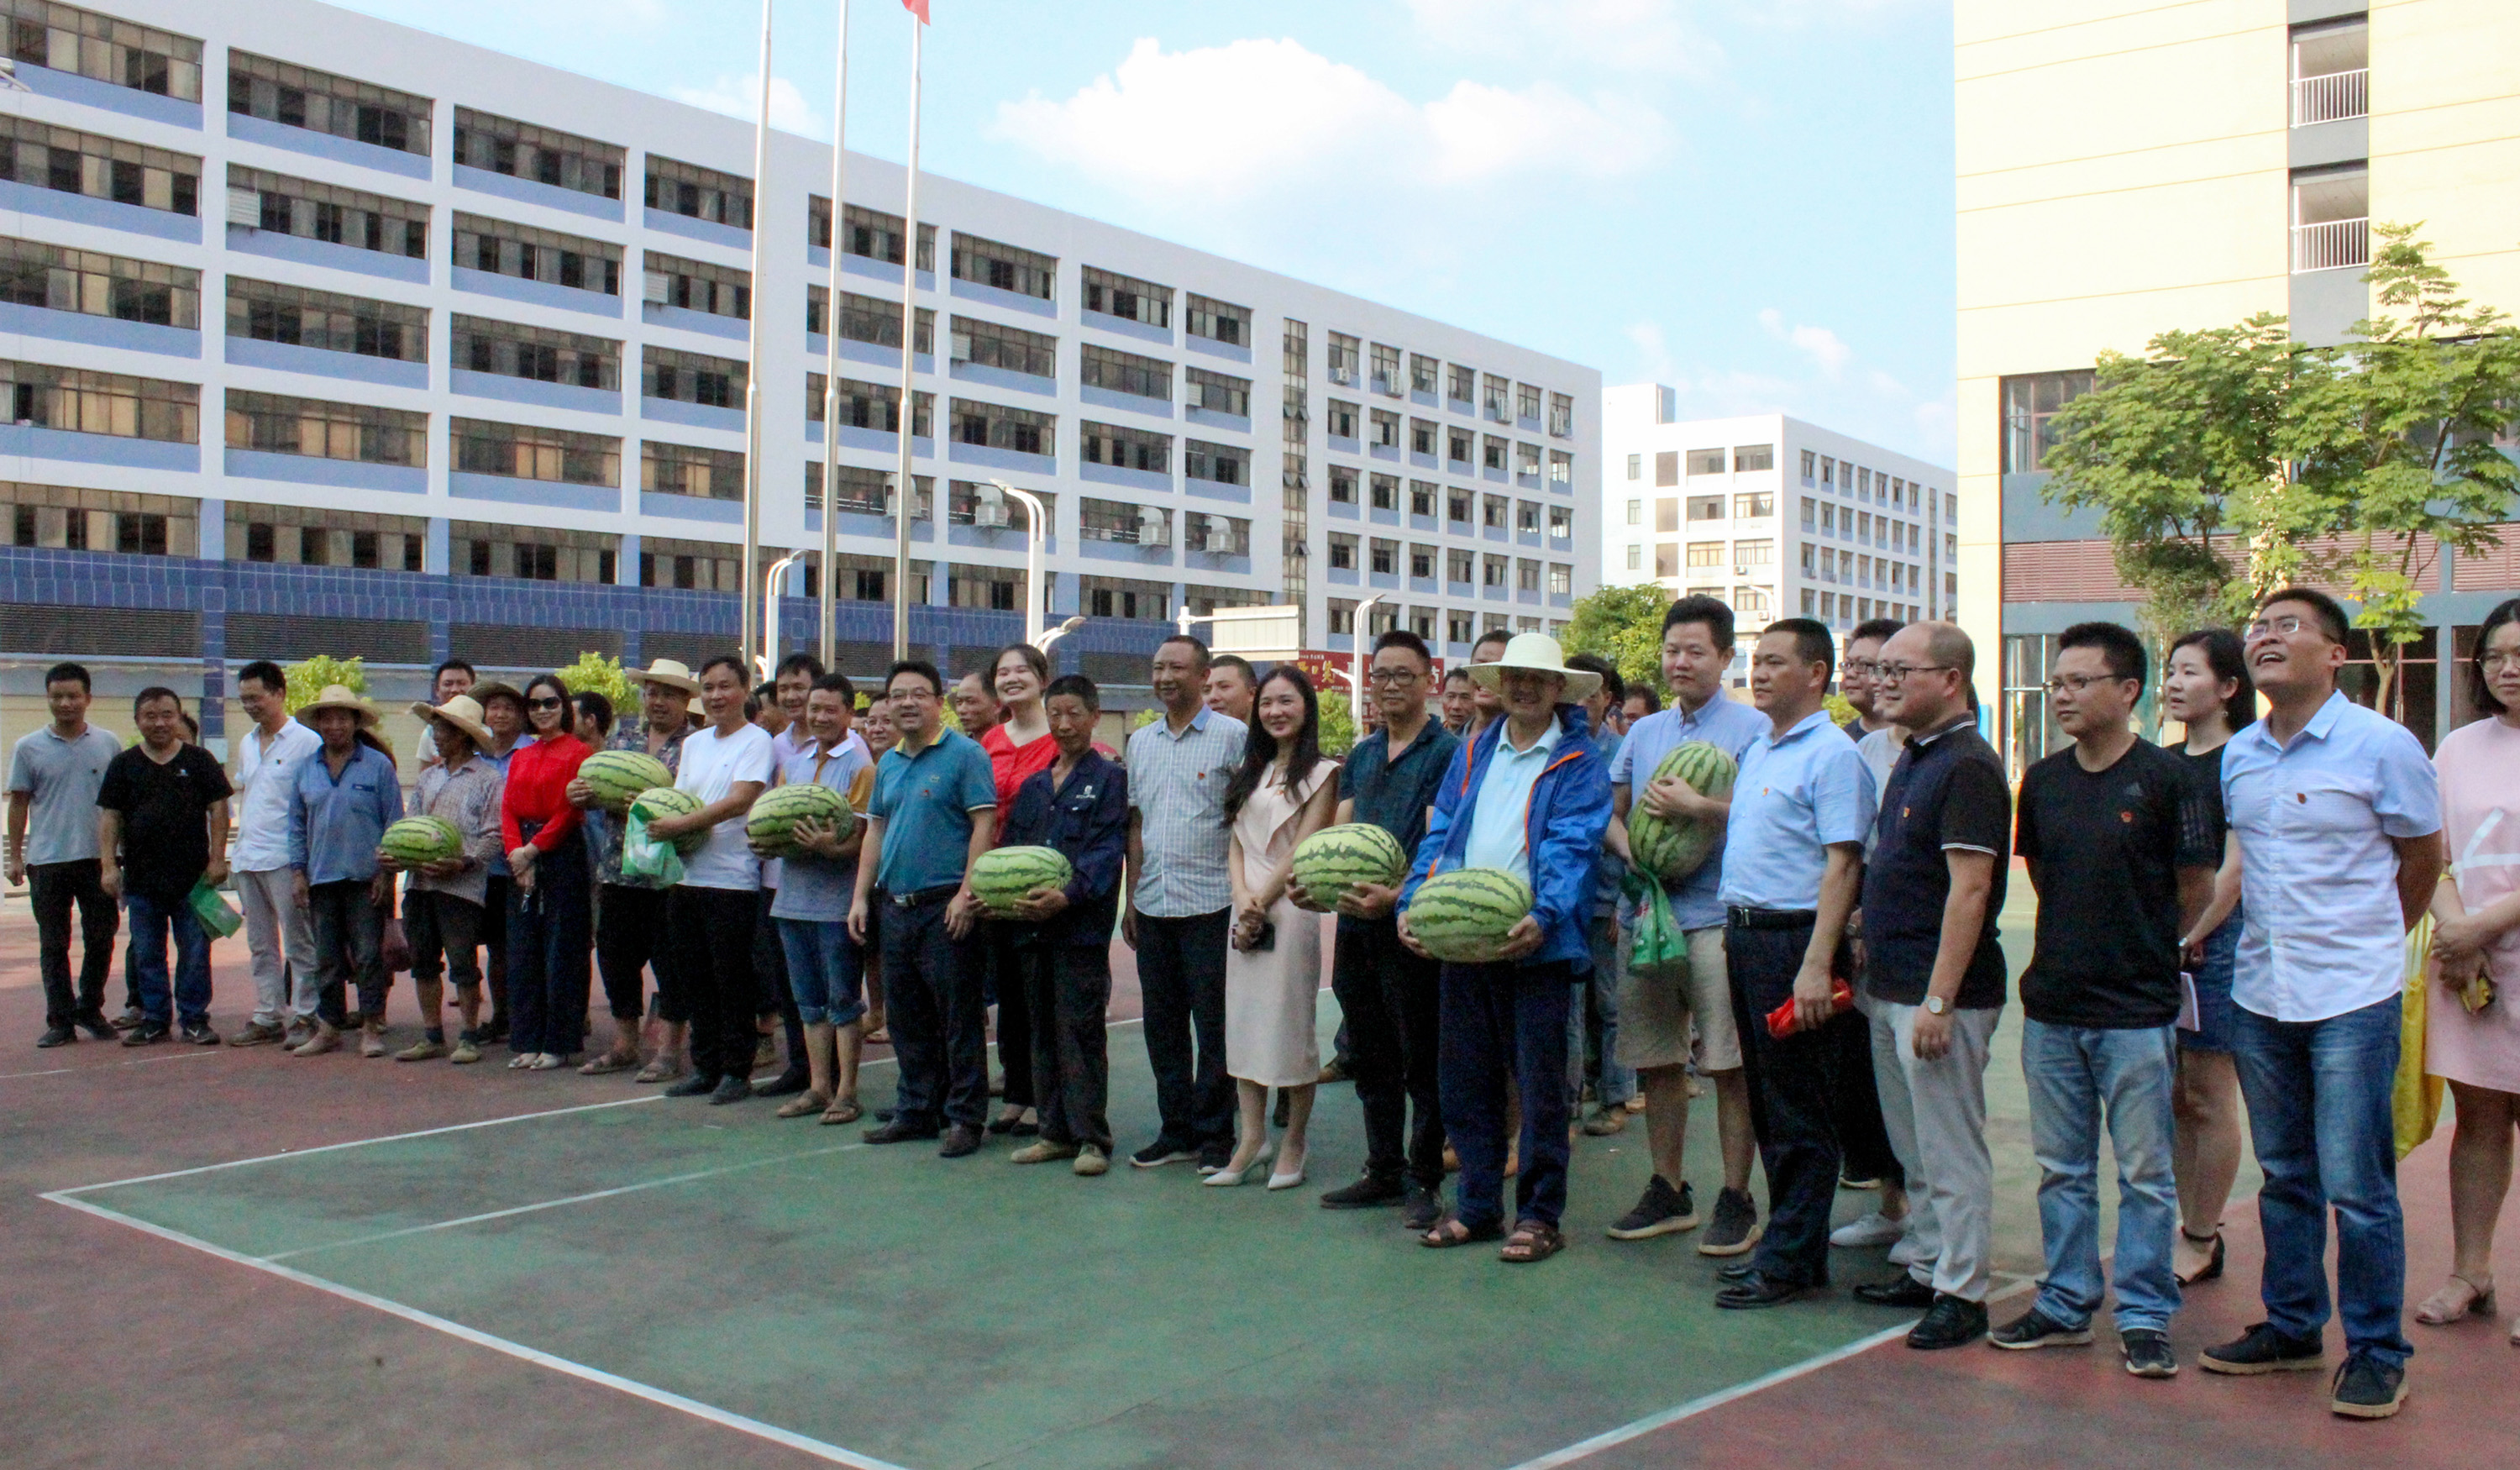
{"x":1563,"y":826}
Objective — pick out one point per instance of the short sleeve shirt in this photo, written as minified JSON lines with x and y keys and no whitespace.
{"x":165,"y":818}
{"x":712,"y":764}
{"x":1394,"y":794}
{"x":925,"y":802}
{"x":818,"y":888}
{"x":60,"y":778}
{"x":1726,"y":725}
{"x":1795,"y":797}
{"x":603,"y":830}
{"x":1177,"y":788}
{"x":1947,"y":793}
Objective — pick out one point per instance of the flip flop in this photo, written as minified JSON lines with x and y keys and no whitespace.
{"x":608,"y":1064}
{"x":846,"y":1110}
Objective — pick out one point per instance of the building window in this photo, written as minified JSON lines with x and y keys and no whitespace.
{"x":1492,"y":452}
{"x":721,"y":291}
{"x":689,"y":469}
{"x":1706,"y":507}
{"x":1216,"y":535}
{"x":536,"y":554}
{"x":1386,"y":429}
{"x":864,"y":492}
{"x":1386,"y":556}
{"x":1561,"y":579}
{"x":1492,"y":570}
{"x":871,"y":234}
{"x":1459,"y":566}
{"x":1810,"y":462}
{"x":1222,"y":464}
{"x":968,"y":502}
{"x":1461,"y":386}
{"x":1000,"y":426}
{"x":1753,"y":456}
{"x":1493,"y":511}
{"x":2330,"y":63}
{"x":2331,"y":223}
{"x":1526,"y":402}
{"x":1667,"y":468}
{"x":1421,"y":436}
{"x":872,"y":405}
{"x":1457,"y":509}
{"x":1342,"y":485}
{"x":1387,"y":369}
{"x":1526,"y":517}
{"x":1561,"y":416}
{"x":1636,"y":557}
{"x":1421,"y":621}
{"x":1009,"y":349}
{"x":266,"y":311}
{"x":1526,"y":576}
{"x":1561,"y":469}
{"x":1422,"y":562}
{"x":1636,"y":466}
{"x":1126,"y":448}
{"x":696,"y":193}
{"x":1219,"y":320}
{"x":1666,"y":513}
{"x":694,"y":377}
{"x":2030,"y":405}
{"x":1342,"y":612}
{"x":689,"y":565}
{"x":1423,"y":371}
{"x":1422,"y":499}
{"x":1111,"y":596}
{"x":320,"y":102}
{"x":1754,"y":554}
{"x":102,"y":48}
{"x":78,"y":401}
{"x":1341,"y":420}
{"x":1491,"y":396}
{"x":100,"y":520}
{"x":1459,"y":445}
{"x":540,"y":353}
{"x":1386,"y":489}
{"x":1346,"y":359}
{"x":1667,"y":559}
{"x":518,"y":451}
{"x":1706,"y":462}
{"x":1526,"y":460}
{"x":867,"y":319}
{"x":1125,"y":373}
{"x":1705,"y":553}
{"x":1342,"y":552}
{"x":274,"y":425}
{"x":1129,"y":299}
{"x":1217,"y":393}
{"x":1460,"y":627}
{"x":349,"y":217}
{"x":92,"y":284}
{"x":1003,"y":267}
{"x":302,"y":536}
{"x":546,"y":156}
{"x":1754,"y":506}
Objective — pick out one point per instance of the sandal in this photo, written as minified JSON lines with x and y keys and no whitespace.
{"x":2450,"y":1304}
{"x":607,"y":1064}
{"x":1531,"y":1241}
{"x":2213,"y":1267}
{"x":522,"y":1060}
{"x":846,"y":1110}
{"x":1450,"y":1231}
{"x":545,"y":1061}
{"x":803,"y":1104}
{"x":663,"y":1069}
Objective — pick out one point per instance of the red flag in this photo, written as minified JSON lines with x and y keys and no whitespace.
{"x":918,"y":8}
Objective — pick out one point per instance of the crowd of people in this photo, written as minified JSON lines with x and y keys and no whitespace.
{"x":2220,"y":933}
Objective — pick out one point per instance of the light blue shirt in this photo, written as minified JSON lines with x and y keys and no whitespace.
{"x":1501,"y":823}
{"x":1177,"y":788}
{"x":335,"y":824}
{"x":1728,"y":725}
{"x":1795,"y":798}
{"x":2323,"y":933}
{"x":811,"y":887}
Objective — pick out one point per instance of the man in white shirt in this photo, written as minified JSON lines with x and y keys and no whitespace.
{"x":277,"y":932}
{"x":709,"y":915}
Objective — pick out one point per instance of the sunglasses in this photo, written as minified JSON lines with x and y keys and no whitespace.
{"x":544,"y":703}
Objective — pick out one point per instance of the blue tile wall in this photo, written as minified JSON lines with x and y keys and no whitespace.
{"x":130,"y":102}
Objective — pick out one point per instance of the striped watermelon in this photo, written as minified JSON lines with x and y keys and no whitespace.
{"x":1327,"y":863}
{"x":619,"y":775}
{"x":415,"y":840}
{"x":666,"y":801}
{"x":775,"y":813}
{"x":1462,"y":915}
{"x":1005,"y":875}
{"x":1673,"y":850}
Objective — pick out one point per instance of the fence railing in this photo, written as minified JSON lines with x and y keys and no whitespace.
{"x":2332,"y":244}
{"x":2332,"y":98}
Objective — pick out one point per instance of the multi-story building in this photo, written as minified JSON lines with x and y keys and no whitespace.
{"x":1778,"y":518}
{"x":2127,"y":170}
{"x":328,"y":335}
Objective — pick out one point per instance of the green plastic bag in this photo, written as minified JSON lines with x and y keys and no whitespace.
{"x":213,"y":910}
{"x":1659,"y":942}
{"x":649,"y":859}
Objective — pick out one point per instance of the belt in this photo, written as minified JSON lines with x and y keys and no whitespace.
{"x":1771,"y":918}
{"x":924,"y":896}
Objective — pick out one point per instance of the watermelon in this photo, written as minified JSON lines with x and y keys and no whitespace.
{"x":1462,"y":916}
{"x":666,"y":801}
{"x":1327,"y":863}
{"x":776,"y":812}
{"x":1005,"y":875}
{"x":619,"y":775}
{"x":415,"y":840}
{"x":1673,"y":850}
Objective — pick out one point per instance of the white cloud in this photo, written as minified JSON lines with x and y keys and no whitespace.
{"x":741,"y":97}
{"x":1621,"y":36}
{"x":1819,"y":343}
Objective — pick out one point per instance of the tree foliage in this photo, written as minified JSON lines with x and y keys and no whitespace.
{"x":599,"y":674}
{"x":1338,"y":724}
{"x":311,"y":677}
{"x":1623,"y":625}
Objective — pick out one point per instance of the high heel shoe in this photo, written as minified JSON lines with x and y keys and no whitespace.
{"x":2213,"y":1267}
{"x":1228,"y":1178}
{"x":2445,"y":1306}
{"x":1290,"y":1178}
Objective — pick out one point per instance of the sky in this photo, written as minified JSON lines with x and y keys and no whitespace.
{"x":1747,"y":200}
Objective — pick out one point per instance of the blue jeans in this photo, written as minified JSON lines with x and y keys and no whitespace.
{"x":1618,"y":1083}
{"x":825,"y":970}
{"x":1501,"y":1021}
{"x":2319,"y":1115}
{"x":2077,"y":1074}
{"x":151,"y":920}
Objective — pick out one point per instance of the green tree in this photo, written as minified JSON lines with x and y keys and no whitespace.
{"x":1624,"y":624}
{"x":309,"y":677}
{"x":600,"y":674}
{"x":1338,"y":724}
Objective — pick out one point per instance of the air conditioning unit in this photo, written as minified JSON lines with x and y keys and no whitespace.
{"x":961,"y":346}
{"x":1194,"y":395}
{"x":656,"y":288}
{"x":244,"y":207}
{"x":1154,"y":528}
{"x":989,"y":508}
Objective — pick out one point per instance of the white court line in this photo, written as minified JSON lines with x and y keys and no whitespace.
{"x":202,"y":1055}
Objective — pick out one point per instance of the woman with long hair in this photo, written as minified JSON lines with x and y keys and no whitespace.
{"x":1284,"y":792}
{"x":550,"y":901}
{"x":2206,"y":687}
{"x":1019,"y":744}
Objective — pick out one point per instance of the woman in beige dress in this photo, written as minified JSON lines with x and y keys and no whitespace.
{"x":1284,"y":792}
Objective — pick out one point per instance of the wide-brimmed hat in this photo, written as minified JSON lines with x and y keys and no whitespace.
{"x":488,"y":689}
{"x":1540,"y":654}
{"x":337,"y":697}
{"x":464,"y":714}
{"x":669,"y":673}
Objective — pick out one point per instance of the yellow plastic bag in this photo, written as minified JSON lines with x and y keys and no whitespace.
{"x":2415,"y":1100}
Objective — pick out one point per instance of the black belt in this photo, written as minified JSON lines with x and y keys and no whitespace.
{"x":924,"y":896}
{"x":1771,"y":918}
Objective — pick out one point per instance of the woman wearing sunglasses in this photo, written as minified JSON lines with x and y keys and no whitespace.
{"x":550,"y":915}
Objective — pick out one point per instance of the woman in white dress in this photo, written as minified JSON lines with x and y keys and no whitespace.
{"x":1284,"y":792}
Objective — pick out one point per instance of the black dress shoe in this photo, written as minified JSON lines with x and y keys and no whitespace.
{"x":1950,"y":1323}
{"x":898,"y":1132}
{"x":58,"y":1036}
{"x":1906,"y":1291}
{"x":697,"y":1085}
{"x":1755,"y":1291}
{"x":94,"y":1025}
{"x":1364,"y":1193}
{"x":731,"y":1089}
{"x":1739,"y":1268}
{"x":785,"y":1085}
{"x":962,"y":1139}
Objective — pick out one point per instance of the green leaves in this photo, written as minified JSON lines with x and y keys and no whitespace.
{"x":309,"y":677}
{"x":1624,"y":624}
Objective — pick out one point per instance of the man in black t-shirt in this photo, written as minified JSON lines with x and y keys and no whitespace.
{"x":162,"y":828}
{"x":2121,"y":850}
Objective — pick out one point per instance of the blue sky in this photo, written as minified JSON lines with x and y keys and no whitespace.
{"x":1750,"y":200}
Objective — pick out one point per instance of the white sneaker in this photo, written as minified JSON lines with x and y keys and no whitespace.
{"x":1868,"y":1229}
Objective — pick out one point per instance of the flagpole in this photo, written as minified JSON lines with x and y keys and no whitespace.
{"x":906,"y":498}
{"x":829,"y":648}
{"x":753,"y":638}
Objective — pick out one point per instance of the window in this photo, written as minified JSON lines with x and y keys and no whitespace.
{"x":536,"y":552}
{"x":1667,"y":559}
{"x":1526,"y":401}
{"x":1492,"y":570}
{"x":721,"y":291}
{"x":1810,"y":513}
{"x":1561,"y":469}
{"x":1345,"y":358}
{"x":1219,"y":320}
{"x":1491,"y":396}
{"x":305,"y":536}
{"x":1421,"y":621}
{"x":1422,"y":562}
{"x":1666,"y":513}
{"x":1750,"y":601}
{"x":873,"y":235}
{"x":867,"y":319}
{"x":1636,"y":466}
{"x":90,"y":284}
{"x":1705,"y":553}
{"x":1134,"y":300}
{"x":1342,"y":616}
{"x":1526,"y":460}
{"x":2330,"y":70}
{"x":2331,"y":208}
{"x":1460,"y":385}
{"x":1706,"y":462}
{"x":106,"y":168}
{"x":863,"y":492}
{"x":102,"y":48}
{"x":1458,"y":567}
{"x":268,"y":312}
{"x":1387,"y":369}
{"x":1422,"y":374}
{"x":519,"y":452}
{"x":78,"y":401}
{"x":1421,"y":436}
{"x":1124,"y":372}
{"x":1342,"y":420}
{"x":696,"y":193}
{"x":1636,"y":557}
{"x":690,"y":565}
{"x":1561,"y":416}
{"x":320,"y":102}
{"x":1492,"y":452}
{"x":1387,"y":557}
{"x":1222,"y":464}
{"x":695,"y":378}
{"x":1216,"y":535}
{"x":1010,"y":349}
{"x":1000,"y":426}
{"x":2030,"y":405}
{"x":1459,"y":445}
{"x":521,"y":149}
{"x":1422,"y":498}
{"x":1753,"y":506}
{"x":872,"y":405}
{"x":688,"y":470}
{"x":1386,"y":429}
{"x":1754,"y":554}
{"x":1526,"y":517}
{"x":1460,"y":627}
{"x":1112,"y":596}
{"x":1561,"y":523}
{"x":512,"y":350}
{"x":1386,"y":489}
{"x":1809,"y":461}
{"x":1126,"y":448}
{"x":1217,"y":393}
{"x":1004,"y":267}
{"x":594,"y":265}
{"x":1526,"y":576}
{"x":1808,"y":553}
{"x":1493,"y":511}
{"x":1342,"y":552}
{"x":969,"y":503}
{"x":100,"y":520}
{"x":1667,"y":468}
{"x":1456,"y":508}
{"x":337,"y":216}
{"x":1342,"y":485}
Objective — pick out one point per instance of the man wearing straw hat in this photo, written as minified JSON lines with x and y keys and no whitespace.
{"x":339,"y":811}
{"x":442,"y":901}
{"x":630,"y":914}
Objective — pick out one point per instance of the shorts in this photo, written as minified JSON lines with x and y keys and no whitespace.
{"x":2214,"y":1003}
{"x":1657,"y":1006}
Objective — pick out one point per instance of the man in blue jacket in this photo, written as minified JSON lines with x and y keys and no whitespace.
{"x":1529,"y":796}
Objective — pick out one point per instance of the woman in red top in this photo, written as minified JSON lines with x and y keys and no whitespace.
{"x":550,"y":908}
{"x":1018,"y":745}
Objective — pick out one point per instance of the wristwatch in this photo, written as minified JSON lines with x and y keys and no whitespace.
{"x":1936,"y":1004}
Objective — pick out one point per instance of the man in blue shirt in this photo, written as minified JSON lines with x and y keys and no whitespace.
{"x":1656,"y":1007}
{"x":339,"y":811}
{"x":934,"y":812}
{"x":1794,"y":867}
{"x":2335,"y":814}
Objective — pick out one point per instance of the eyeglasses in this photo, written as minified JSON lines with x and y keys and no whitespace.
{"x":2496,"y":662}
{"x":1390,"y":676}
{"x":2078,"y":683}
{"x":546,"y":703}
{"x":1897,"y":673}
{"x":2284,"y":625}
{"x":1862,"y":666}
{"x":912,"y":692}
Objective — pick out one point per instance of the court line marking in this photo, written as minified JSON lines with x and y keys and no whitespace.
{"x":202,"y":1055}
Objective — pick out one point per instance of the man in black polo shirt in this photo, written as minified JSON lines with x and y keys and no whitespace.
{"x":162,"y":828}
{"x":1934,"y":973}
{"x":1388,"y":994}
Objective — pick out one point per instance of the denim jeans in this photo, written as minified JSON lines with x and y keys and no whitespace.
{"x":2076,"y":1074}
{"x":151,"y":920}
{"x":825,"y":970}
{"x":1501,"y":1021}
{"x":1600,"y":987}
{"x":2318,"y":1093}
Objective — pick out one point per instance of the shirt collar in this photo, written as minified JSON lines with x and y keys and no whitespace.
{"x":1802,"y":727}
{"x":1964,"y":717}
{"x":1198,"y":723}
{"x":2328,"y":714}
{"x":1547,"y":742}
{"x":1689,"y":720}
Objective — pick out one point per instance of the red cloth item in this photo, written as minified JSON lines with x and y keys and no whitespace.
{"x":1841,"y":999}
{"x":1012,"y":765}
{"x":537,"y":791}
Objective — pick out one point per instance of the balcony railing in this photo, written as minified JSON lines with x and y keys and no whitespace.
{"x":2332,"y":98}
{"x":2333,"y":245}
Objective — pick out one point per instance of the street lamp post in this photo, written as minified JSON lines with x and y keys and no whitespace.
{"x":1036,"y":612}
{"x":768,"y":658}
{"x":1356,"y":671}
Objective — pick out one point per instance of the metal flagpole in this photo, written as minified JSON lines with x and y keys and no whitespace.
{"x":752,"y":643}
{"x":826,"y":647}
{"x":905,"y":497}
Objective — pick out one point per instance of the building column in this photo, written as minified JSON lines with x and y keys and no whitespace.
{"x":214,"y":709}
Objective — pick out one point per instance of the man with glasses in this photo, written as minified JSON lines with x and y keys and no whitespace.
{"x":1934,"y":974}
{"x":2121,"y":849}
{"x":2335,"y":815}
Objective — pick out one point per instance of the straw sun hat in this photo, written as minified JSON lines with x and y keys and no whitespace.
{"x":463,"y":713}
{"x":1539,"y":653}
{"x":337,"y":697}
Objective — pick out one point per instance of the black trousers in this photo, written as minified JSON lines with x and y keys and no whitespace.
{"x":53,"y":888}
{"x":1390,"y":999}
{"x":1793,"y":1099}
{"x":494,"y":944}
{"x":932,"y":996}
{"x":549,"y":934}
{"x":1180,"y":983}
{"x":711,"y":979}
{"x":1019,"y":1021}
{"x":1067,"y":993}
{"x":444,"y":932}
{"x":1861,"y":1132}
{"x":770,"y":969}
{"x":630,"y":936}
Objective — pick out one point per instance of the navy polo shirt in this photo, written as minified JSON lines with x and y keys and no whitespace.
{"x":1946,"y":792}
